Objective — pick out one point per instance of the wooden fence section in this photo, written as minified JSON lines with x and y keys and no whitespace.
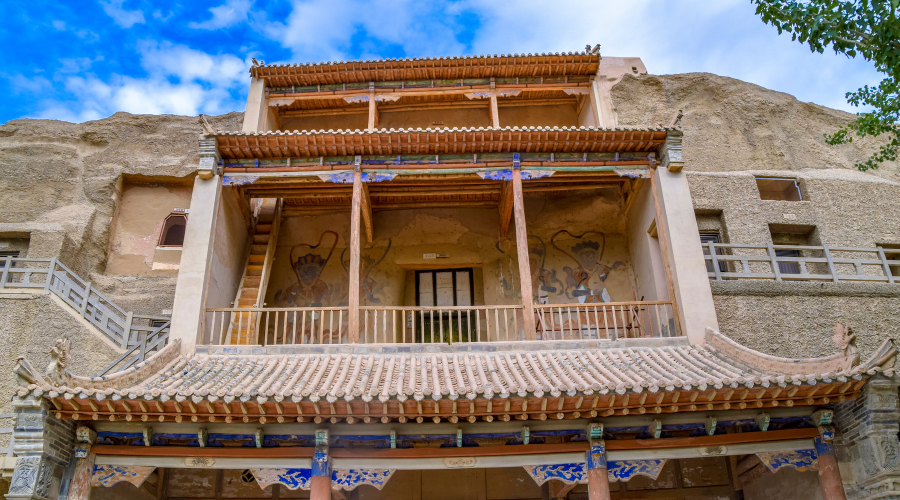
{"x":606,"y":320}
{"x":446,"y":325}
{"x":802,"y":263}
{"x":139,"y":335}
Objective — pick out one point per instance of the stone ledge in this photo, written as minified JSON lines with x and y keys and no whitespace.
{"x":766,"y":288}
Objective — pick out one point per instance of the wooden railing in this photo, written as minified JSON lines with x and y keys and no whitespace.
{"x":138,"y":334}
{"x":452,"y":324}
{"x":800,"y":263}
{"x":605,"y":320}
{"x":275,"y":326}
{"x":446,"y":325}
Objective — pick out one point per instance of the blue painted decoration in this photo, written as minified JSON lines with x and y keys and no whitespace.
{"x":292,"y":479}
{"x":596,"y":455}
{"x":346,"y":177}
{"x":624,"y":470}
{"x":802,"y":460}
{"x":567,"y":473}
{"x":108,"y":475}
{"x":506,"y":175}
{"x":239,"y":180}
{"x":349,"y":479}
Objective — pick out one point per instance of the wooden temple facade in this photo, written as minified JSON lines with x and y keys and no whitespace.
{"x":439,"y":278}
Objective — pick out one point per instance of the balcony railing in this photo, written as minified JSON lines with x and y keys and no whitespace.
{"x":140,"y":335}
{"x":608,"y":320}
{"x":800,"y":263}
{"x":447,"y":325}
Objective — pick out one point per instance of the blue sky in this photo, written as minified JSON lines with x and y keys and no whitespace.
{"x":87,"y":59}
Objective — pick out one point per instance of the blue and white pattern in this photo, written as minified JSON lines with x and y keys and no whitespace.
{"x":624,"y":470}
{"x":347,"y":177}
{"x":239,"y":180}
{"x":506,"y":175}
{"x":108,"y":475}
{"x":567,"y":473}
{"x":801,"y":460}
{"x":576,"y":473}
{"x":292,"y":479}
{"x":348,"y":479}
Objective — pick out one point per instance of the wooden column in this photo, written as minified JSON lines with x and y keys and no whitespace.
{"x":355,"y":211}
{"x":598,"y":477}
{"x":495,"y":111}
{"x":320,"y":477}
{"x":829,"y":475}
{"x":522,"y":250}
{"x":373,"y":108}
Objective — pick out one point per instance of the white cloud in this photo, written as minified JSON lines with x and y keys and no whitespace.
{"x":180,"y":80}
{"x":122,"y":17}
{"x":228,"y":14}
{"x":32,"y":85}
{"x":323,"y":30}
{"x":58,"y":25}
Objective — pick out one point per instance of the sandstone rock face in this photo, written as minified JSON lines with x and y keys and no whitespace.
{"x":734,"y":131}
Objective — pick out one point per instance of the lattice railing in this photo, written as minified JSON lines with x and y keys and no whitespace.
{"x":140,"y":335}
{"x":801,"y":263}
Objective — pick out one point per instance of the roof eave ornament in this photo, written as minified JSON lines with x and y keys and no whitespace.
{"x":60,"y":356}
{"x":593,"y":51}
{"x":845,"y":340}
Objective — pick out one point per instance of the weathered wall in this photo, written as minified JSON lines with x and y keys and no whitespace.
{"x":734,"y":131}
{"x":230,"y":245}
{"x":786,"y":483}
{"x":568,"y":236}
{"x":646,"y":252}
{"x":30,"y":323}
{"x":140,"y":215}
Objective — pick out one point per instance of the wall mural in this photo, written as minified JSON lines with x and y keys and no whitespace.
{"x":584,"y":279}
{"x":310,"y":290}
{"x":372,"y":291}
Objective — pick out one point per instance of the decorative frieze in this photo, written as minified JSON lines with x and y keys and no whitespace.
{"x":576,"y":473}
{"x":341,"y":479}
{"x":108,"y":475}
{"x":801,"y":460}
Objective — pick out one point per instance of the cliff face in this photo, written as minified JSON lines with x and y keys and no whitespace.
{"x":730,"y":125}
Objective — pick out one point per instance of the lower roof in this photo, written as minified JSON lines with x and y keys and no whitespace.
{"x":565,"y":379}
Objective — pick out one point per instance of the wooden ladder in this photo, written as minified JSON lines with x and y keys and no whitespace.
{"x":251,"y":293}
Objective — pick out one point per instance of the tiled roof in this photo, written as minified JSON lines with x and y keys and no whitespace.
{"x":429,"y":68}
{"x":430,"y":141}
{"x":604,"y":369}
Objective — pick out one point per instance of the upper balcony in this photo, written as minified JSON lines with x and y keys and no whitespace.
{"x":438,"y":248}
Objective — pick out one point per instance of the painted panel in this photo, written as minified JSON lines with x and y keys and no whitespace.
{"x":108,"y":475}
{"x":802,"y":460}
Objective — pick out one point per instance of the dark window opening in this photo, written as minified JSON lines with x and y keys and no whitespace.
{"x":445,"y":288}
{"x":778,"y":189}
{"x":706,"y":238}
{"x":788,"y":267}
{"x":173,"y":231}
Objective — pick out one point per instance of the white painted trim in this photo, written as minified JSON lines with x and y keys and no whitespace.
{"x":220,"y":463}
{"x":479,"y":462}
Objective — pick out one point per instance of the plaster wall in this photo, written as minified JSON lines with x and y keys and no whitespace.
{"x":646,"y":253}
{"x":786,"y":483}
{"x":230,"y":246}
{"x":136,"y":229}
{"x":568,"y":235}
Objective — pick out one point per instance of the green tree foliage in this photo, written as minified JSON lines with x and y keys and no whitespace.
{"x":867,"y":28}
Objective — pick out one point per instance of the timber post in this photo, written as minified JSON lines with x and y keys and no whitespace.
{"x":320,"y":479}
{"x":598,"y":476}
{"x":355,"y":216}
{"x":829,"y":475}
{"x":522,"y":250}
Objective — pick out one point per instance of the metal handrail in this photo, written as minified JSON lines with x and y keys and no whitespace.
{"x":123,"y":329}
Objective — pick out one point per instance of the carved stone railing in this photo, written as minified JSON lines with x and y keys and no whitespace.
{"x":800,"y":263}
{"x":140,"y":335}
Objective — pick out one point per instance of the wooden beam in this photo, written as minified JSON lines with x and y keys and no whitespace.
{"x":373,"y":108}
{"x":355,"y":209}
{"x":506,"y":206}
{"x":485,"y":451}
{"x":495,"y":113}
{"x":366,"y":210}
{"x":559,"y":489}
{"x":522,"y":251}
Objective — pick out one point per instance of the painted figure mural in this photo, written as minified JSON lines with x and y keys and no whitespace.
{"x":310,"y":290}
